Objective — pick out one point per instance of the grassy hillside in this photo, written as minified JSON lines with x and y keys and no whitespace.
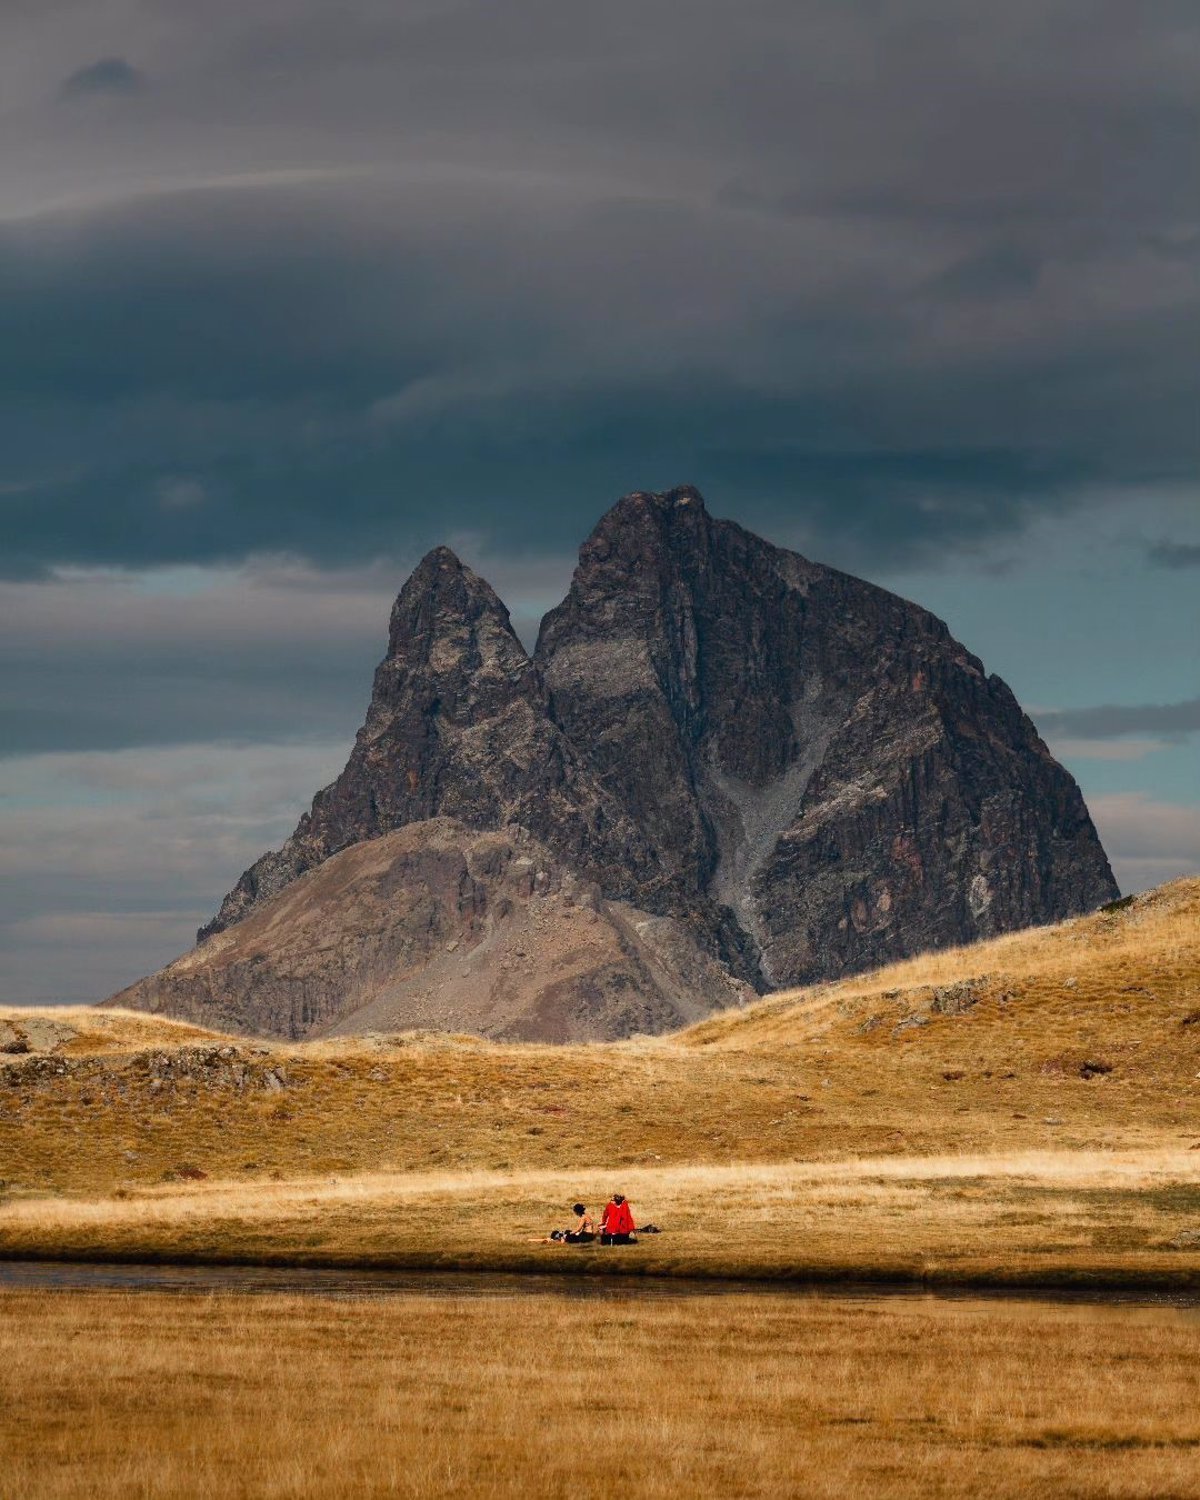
{"x":1037,"y":1092}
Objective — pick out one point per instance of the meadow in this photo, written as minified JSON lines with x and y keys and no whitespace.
{"x":1021,"y":1114}
{"x":1022,"y":1111}
{"x":146,"y":1395}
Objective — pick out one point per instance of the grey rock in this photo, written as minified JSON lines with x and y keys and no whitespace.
{"x":908,"y":1023}
{"x":458,"y":726}
{"x":816,"y":755}
{"x":34,"y":1034}
{"x":358,"y":945}
{"x":957,"y":999}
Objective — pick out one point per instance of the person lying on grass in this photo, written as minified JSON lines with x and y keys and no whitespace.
{"x":616,"y":1223}
{"x":583,"y":1233}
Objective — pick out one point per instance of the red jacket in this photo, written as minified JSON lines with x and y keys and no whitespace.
{"x":618,"y":1219}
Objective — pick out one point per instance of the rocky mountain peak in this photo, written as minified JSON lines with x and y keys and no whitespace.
{"x":443,"y":598}
{"x":807,"y":774}
{"x":634,"y":541}
{"x":767,"y":720}
{"x":458,"y":726}
{"x":661,"y":508}
{"x":452,"y":652}
{"x":439,"y":583}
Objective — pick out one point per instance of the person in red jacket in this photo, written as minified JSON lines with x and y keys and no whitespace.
{"x":616,"y":1223}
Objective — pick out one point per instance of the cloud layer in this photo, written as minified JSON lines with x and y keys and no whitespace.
{"x":107,"y":75}
{"x":901,"y":277}
{"x":1148,"y":841}
{"x":1107,"y":721}
{"x":110,"y":860}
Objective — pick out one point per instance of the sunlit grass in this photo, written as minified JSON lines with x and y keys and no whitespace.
{"x":1075,"y":1218}
{"x":832,"y":1129}
{"x":106,"y":1394}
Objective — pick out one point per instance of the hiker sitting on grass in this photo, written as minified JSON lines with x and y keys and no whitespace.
{"x":583,"y":1233}
{"x":616,"y":1224}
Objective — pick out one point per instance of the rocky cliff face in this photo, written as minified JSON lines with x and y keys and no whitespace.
{"x":811,"y":752}
{"x":801,"y":774}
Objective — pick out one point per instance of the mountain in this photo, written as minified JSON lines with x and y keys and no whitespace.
{"x":806,"y":749}
{"x":458,"y":726}
{"x":760,"y":771}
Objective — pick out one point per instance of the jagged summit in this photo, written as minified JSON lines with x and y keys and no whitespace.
{"x":443,"y":597}
{"x":458,"y":726}
{"x":639,"y":505}
{"x":641,"y":530}
{"x":453,"y":656}
{"x":800,"y":772}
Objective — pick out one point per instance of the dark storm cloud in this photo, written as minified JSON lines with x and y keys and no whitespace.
{"x":341,"y":393}
{"x":163,"y":698}
{"x":1003,"y":270}
{"x":109,"y":75}
{"x":893,"y":280}
{"x":1174,"y":555}
{"x":1107,"y":721}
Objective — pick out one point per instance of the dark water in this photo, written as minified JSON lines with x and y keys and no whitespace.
{"x":72,"y":1276}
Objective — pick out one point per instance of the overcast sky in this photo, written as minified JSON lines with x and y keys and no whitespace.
{"x":290,"y":292}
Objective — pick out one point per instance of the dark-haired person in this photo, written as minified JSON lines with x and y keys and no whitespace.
{"x":584,"y":1231}
{"x":616,"y":1223}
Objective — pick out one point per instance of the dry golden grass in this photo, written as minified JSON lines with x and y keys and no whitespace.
{"x":108,"y":1031}
{"x":1120,"y":963}
{"x":1037,"y":1127}
{"x":1065,"y":1219}
{"x":1071,"y":1044}
{"x":146,"y":1395}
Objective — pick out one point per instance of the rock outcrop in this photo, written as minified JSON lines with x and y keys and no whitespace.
{"x":759,"y":769}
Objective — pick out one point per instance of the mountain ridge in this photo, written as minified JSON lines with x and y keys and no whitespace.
{"x":804,"y":773}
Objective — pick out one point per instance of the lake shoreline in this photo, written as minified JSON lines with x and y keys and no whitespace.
{"x":1072,"y":1283}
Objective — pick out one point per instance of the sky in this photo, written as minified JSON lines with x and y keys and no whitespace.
{"x":291,"y":292}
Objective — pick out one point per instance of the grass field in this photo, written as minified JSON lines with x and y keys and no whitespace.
{"x":1019,"y":1110}
{"x":1068,"y":1219}
{"x":1020,"y":1113}
{"x":148,"y":1395}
